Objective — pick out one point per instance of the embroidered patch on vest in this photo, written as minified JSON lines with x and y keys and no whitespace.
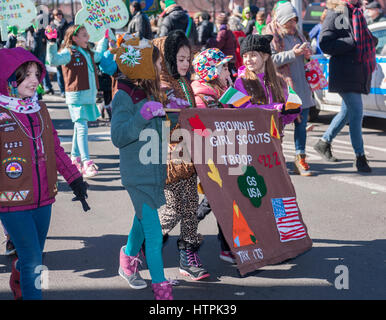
{"x":14,"y":170}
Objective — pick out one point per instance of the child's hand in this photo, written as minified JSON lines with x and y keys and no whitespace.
{"x":177,"y":103}
{"x":51,"y":34}
{"x":152,"y":109}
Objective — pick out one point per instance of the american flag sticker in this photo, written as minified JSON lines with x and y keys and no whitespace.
{"x":288,"y":224}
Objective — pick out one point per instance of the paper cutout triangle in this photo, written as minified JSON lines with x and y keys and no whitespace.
{"x":242,"y":234}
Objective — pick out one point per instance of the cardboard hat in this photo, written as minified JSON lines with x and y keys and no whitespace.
{"x":134,"y":58}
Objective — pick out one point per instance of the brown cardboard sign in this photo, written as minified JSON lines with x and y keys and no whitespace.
{"x":239,"y":160}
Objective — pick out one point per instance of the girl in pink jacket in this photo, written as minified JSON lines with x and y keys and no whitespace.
{"x":211,"y":67}
{"x":30,"y":155}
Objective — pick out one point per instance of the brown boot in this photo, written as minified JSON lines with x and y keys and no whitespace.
{"x":301,"y":166}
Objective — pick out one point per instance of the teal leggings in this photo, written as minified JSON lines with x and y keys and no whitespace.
{"x":149,"y":229}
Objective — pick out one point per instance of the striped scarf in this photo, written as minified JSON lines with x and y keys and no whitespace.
{"x":364,"y":39}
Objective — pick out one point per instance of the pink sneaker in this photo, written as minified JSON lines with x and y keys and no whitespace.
{"x":128,"y":270}
{"x":90,"y":169}
{"x":77,"y":162}
{"x":162,"y":291}
{"x":227,"y":256}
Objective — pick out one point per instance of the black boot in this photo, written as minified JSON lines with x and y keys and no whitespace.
{"x":324,"y":149}
{"x":361,"y":164}
{"x":190,"y":264}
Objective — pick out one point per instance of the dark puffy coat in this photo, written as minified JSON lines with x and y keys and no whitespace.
{"x":226,"y":42}
{"x":178,"y":19}
{"x":204,"y":31}
{"x":346,"y":73}
{"x":140,"y":26}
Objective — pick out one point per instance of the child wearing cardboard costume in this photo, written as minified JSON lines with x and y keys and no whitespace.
{"x":181,"y":184}
{"x":79,"y":68}
{"x":135,"y":108}
{"x":31,"y":156}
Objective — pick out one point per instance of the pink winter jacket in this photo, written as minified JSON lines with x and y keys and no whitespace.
{"x":205,"y":95}
{"x":37,"y":162}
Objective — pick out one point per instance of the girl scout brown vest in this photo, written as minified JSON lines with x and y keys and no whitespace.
{"x":75,"y":73}
{"x":19,"y":161}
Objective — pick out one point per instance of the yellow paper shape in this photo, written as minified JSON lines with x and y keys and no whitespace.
{"x":214,"y":174}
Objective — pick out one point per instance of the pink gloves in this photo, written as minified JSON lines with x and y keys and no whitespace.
{"x":152,"y":109}
{"x":51,"y":34}
{"x":177,"y":103}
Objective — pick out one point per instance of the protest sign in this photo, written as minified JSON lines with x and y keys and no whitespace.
{"x":99,"y":15}
{"x":16,"y":13}
{"x":239,"y":160}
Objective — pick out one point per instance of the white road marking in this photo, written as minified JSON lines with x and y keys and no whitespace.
{"x":360,"y":183}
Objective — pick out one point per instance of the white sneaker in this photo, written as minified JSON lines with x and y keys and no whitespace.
{"x":90,"y":169}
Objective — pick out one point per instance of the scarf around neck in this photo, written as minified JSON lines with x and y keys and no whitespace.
{"x":18,"y":105}
{"x":364,"y":39}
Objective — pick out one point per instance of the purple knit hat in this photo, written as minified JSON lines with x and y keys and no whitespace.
{"x":10,"y":60}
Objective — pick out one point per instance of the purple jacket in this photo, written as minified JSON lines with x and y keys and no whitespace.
{"x":286,"y":118}
{"x":28,"y":166}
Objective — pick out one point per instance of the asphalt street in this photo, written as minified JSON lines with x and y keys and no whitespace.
{"x":343,"y":210}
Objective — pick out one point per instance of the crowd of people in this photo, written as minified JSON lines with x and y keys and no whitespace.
{"x":185,"y":62}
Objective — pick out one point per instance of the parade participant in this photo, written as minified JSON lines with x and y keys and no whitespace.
{"x":211,"y":66}
{"x":137,"y":107}
{"x":258,"y":79}
{"x":289,"y":51}
{"x":352,"y":62}
{"x":81,"y":83}
{"x":181,"y":184}
{"x":31,"y":156}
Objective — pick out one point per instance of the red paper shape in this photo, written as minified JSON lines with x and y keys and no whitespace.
{"x":198,"y":126}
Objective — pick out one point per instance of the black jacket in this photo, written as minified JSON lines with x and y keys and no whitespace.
{"x":178,"y":19}
{"x":140,"y":26}
{"x":346,"y":73}
{"x":204,"y":32}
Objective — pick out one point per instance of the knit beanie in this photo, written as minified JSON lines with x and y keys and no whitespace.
{"x":284,"y":12}
{"x":134,"y":58}
{"x":256,"y":42}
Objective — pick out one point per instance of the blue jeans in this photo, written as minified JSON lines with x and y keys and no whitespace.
{"x":300,"y":135}
{"x":149,"y":229}
{"x":28,"y":230}
{"x":80,"y":140}
{"x":351,"y":112}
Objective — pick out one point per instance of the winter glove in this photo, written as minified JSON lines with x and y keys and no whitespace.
{"x":177,"y":103}
{"x":51,"y":34}
{"x":152,"y":109}
{"x":79,"y":187}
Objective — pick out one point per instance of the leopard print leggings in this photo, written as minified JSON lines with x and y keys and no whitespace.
{"x":181,"y":206}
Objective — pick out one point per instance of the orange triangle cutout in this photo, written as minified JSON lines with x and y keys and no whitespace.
{"x":242,"y":234}
{"x":274,"y":131}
